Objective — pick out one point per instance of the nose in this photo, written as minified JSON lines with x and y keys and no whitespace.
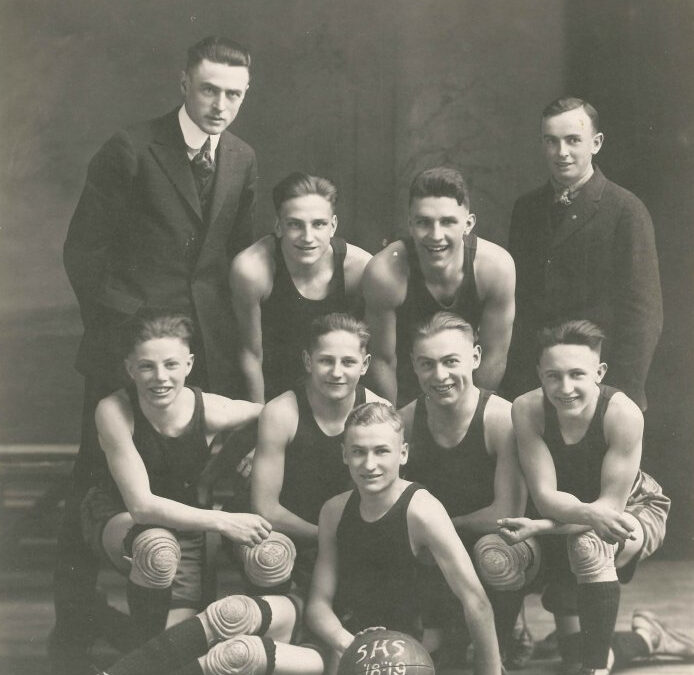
{"x":436,"y":230}
{"x":307,"y":234}
{"x":441,"y":372}
{"x":566,"y":385}
{"x":563,"y":149}
{"x":369,"y":461}
{"x":160,"y":373}
{"x":218,"y":101}
{"x":336,"y":370}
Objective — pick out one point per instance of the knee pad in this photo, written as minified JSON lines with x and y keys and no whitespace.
{"x":591,"y":559}
{"x":238,"y":615}
{"x":504,"y":567}
{"x":271,"y":562}
{"x":242,"y":655}
{"x":156,"y":554}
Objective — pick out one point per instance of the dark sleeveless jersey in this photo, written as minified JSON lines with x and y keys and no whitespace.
{"x":578,"y":465}
{"x":173,"y":464}
{"x":462,"y":477}
{"x":420,"y":305}
{"x":377,"y":571}
{"x":313,"y":467}
{"x":286,"y":318}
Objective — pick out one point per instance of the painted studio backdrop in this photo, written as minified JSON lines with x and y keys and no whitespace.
{"x":366,"y":93}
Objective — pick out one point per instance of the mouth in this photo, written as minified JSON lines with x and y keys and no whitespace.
{"x":160,"y":391}
{"x":437,"y":249}
{"x":371,"y":477}
{"x":567,"y":400}
{"x":443,"y":388}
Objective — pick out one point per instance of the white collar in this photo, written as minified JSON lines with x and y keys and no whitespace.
{"x":193,"y":135}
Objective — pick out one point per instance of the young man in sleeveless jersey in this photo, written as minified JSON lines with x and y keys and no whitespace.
{"x":462,"y":448}
{"x":580,"y":449}
{"x":369,"y":541}
{"x":286,"y":279}
{"x":441,"y":265}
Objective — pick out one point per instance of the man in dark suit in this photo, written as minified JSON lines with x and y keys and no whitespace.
{"x":166,"y":206}
{"x":584,"y":248}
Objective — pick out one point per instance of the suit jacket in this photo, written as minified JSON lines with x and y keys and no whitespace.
{"x":600,"y":263}
{"x":138,"y":239}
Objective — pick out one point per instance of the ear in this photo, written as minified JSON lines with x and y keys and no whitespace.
{"x":333,"y":225}
{"x":404,"y":453}
{"x":476,"y":356}
{"x":277,"y":227}
{"x":365,"y":364}
{"x":306,"y":358}
{"x":470,"y":222}
{"x":129,"y":368}
{"x":602,"y":369}
{"x":184,"y":82}
{"x":597,"y":143}
{"x":344,"y":453}
{"x":189,"y":363}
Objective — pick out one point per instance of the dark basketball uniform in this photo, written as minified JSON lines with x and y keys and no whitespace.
{"x":578,"y":467}
{"x":377,"y":569}
{"x":173,"y":467}
{"x":313,"y":473}
{"x":420,"y":305}
{"x":286,"y":319}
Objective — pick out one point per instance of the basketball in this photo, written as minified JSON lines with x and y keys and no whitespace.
{"x":385,"y":652}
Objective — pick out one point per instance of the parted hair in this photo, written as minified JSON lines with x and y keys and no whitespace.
{"x":299,"y":184}
{"x":218,"y":50}
{"x":440,"y":181}
{"x":335,"y":321}
{"x":373,"y":412}
{"x":566,"y":103}
{"x":439,"y":322}
{"x":576,"y":332}
{"x":150,"y":324}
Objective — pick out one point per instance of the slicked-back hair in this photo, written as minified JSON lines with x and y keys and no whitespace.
{"x":374,"y":412}
{"x":218,"y":50}
{"x":577,"y":332}
{"x":566,"y":103}
{"x":438,"y":323}
{"x":299,"y":184}
{"x":440,"y":181}
{"x":150,"y":324}
{"x":336,"y":321}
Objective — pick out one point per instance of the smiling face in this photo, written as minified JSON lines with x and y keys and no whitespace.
{"x":374,"y":454}
{"x":213,"y":93}
{"x":569,"y":142}
{"x":159,"y":368}
{"x":335,"y":364}
{"x":569,"y":375}
{"x":305,"y":226}
{"x":444,"y":363}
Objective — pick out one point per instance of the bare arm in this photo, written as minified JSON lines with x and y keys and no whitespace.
{"x":431,"y":528}
{"x":225,"y":414}
{"x":276,"y":430}
{"x":510,"y":492}
{"x":114,"y":422}
{"x":497,"y":287}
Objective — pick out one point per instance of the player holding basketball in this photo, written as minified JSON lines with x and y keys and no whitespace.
{"x":580,"y":449}
{"x":369,"y":540}
{"x":286,"y":279}
{"x":462,"y":448}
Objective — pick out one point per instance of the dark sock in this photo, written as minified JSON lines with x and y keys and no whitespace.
{"x":570,"y":647}
{"x":598,"y":604}
{"x":164,"y":653}
{"x":627,"y":647}
{"x":506,"y":606}
{"x":148,"y":608}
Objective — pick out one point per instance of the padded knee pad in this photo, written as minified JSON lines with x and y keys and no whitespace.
{"x":242,"y":655}
{"x":238,"y":615}
{"x":504,"y":567}
{"x":156,"y":554}
{"x":591,"y":559}
{"x":271,"y":562}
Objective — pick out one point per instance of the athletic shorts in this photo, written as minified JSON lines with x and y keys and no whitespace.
{"x":99,"y":506}
{"x":647,"y":504}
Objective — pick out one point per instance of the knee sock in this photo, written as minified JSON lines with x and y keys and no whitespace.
{"x":627,"y":647}
{"x":164,"y":653}
{"x":148,"y":608}
{"x":506,"y":606}
{"x":598,"y":604}
{"x":570,"y":647}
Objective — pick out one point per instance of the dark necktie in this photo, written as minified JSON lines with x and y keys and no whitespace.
{"x":203,"y":166}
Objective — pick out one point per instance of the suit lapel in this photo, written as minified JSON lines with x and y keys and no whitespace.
{"x":582,"y":210}
{"x":223,"y":175}
{"x":170,"y":150}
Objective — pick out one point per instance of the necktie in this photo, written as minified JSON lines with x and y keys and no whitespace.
{"x":203,"y":166}
{"x":563,"y":197}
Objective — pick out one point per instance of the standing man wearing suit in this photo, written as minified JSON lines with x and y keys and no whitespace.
{"x":584,"y":248}
{"x":166,"y":206}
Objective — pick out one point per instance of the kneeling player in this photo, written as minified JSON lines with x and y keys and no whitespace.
{"x":580,"y":449}
{"x":369,"y":540}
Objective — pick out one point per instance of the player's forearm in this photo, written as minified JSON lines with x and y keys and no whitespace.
{"x":543,"y":526}
{"x":156,"y":510}
{"x":286,"y":522}
{"x":325,"y":625}
{"x":564,"y":508}
{"x":483,"y":521}
{"x":252,"y":370}
{"x":491,"y":371}
{"x":382,"y":377}
{"x":480,"y":621}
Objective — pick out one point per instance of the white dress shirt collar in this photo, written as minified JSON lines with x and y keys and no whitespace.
{"x":193,"y":135}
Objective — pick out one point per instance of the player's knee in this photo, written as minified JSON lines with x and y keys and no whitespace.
{"x":242,"y":655}
{"x":238,"y":615}
{"x":506,"y":567}
{"x":271,"y":562}
{"x":156,"y":554}
{"x":591,"y":558}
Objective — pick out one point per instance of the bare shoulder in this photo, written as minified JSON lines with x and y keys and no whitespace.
{"x":118,"y":402}
{"x":424,"y":509}
{"x":494,"y":266}
{"x":385,"y":276}
{"x":253,"y":269}
{"x":498,"y":411}
{"x":407,"y":415}
{"x":370,"y":397}
{"x":332,"y":510}
{"x":623,"y":416}
{"x":529,"y":406}
{"x":281,"y":415}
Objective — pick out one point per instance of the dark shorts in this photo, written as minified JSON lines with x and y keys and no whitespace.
{"x":99,"y":506}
